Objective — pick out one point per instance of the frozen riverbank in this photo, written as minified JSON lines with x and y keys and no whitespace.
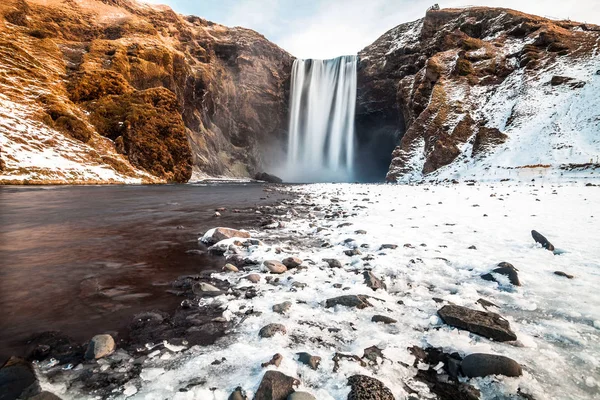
{"x":446,"y":238}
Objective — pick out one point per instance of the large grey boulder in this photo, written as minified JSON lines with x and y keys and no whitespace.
{"x":480,"y":364}
{"x":484,"y":323}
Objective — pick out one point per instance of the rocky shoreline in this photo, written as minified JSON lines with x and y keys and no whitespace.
{"x":330,"y":300}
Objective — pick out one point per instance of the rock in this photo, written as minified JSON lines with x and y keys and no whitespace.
{"x":372,"y":281}
{"x":275,"y":386}
{"x":282,"y":308}
{"x":270,"y":330}
{"x":350,"y":300}
{"x":373,"y":353}
{"x":353,"y":252}
{"x":274,"y":266}
{"x":224,"y":233}
{"x":238,"y":394}
{"x":364,"y":387}
{"x":301,"y":396}
{"x":275,"y":360}
{"x":45,"y":396}
{"x":230,"y":268}
{"x":539,"y":238}
{"x":200,"y":287}
{"x":479,"y":364}
{"x":292,"y":262}
{"x":384,"y":319}
{"x":100,"y":346}
{"x":333,"y":263}
{"x":388,"y":246}
{"x":487,"y":324}
{"x":560,"y":273}
{"x":485,"y":303}
{"x":505,"y":269}
{"x":263,"y":176}
{"x":310,"y":360}
{"x":254,"y":278}
{"x":360,"y":232}
{"x":18,"y":380}
{"x":217,"y":214}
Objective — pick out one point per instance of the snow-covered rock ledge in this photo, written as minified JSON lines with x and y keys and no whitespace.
{"x":403,"y":253}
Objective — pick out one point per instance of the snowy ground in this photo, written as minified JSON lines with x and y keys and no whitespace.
{"x":556,"y":320}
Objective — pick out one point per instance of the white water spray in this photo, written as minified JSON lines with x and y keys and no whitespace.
{"x":321,"y":130}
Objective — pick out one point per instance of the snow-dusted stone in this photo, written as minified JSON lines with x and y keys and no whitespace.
{"x":282,"y":308}
{"x":480,"y":364}
{"x":238,"y":394}
{"x":292,"y":262}
{"x":372,"y":281}
{"x":230,"y":268}
{"x":388,"y":246}
{"x":275,"y":386}
{"x":560,"y":273}
{"x":270,"y":330}
{"x":275,"y":360}
{"x":274,"y":266}
{"x":254,"y":278}
{"x":353,"y":252}
{"x":333,"y":263}
{"x":308,"y":359}
{"x":217,"y":234}
{"x":350,"y":300}
{"x":301,"y":396}
{"x":205,"y":289}
{"x":384,"y":319}
{"x":100,"y":346}
{"x":541,"y":239}
{"x":505,"y":269}
{"x":364,"y":387}
{"x":484,"y":323}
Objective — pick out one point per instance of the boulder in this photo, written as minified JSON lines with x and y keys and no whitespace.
{"x":350,"y":300}
{"x":282,"y":308}
{"x":301,"y":396}
{"x":310,"y":360}
{"x":372,"y":281}
{"x":384,"y":319}
{"x":484,"y":323}
{"x":275,"y":386}
{"x":18,"y":380}
{"x":270,"y":330}
{"x":275,"y":360}
{"x":45,"y":396}
{"x":230,"y":268}
{"x":292,"y":262}
{"x":263,"y":176}
{"x":333,"y":263}
{"x":100,"y":346}
{"x":388,"y":246}
{"x":222,"y":233}
{"x":254,"y":278}
{"x":274,"y":266}
{"x":480,"y":364}
{"x":505,"y":269}
{"x":541,"y":239}
{"x":364,"y":387}
{"x":238,"y":394}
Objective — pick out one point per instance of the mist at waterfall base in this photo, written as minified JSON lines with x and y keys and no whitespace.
{"x":321,"y":141}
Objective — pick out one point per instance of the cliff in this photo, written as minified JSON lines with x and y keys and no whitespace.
{"x":118,"y":91}
{"x":479,"y":91}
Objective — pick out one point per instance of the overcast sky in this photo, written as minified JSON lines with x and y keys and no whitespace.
{"x":329,"y":28}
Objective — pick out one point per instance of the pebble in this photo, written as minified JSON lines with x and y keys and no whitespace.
{"x":274,"y":266}
{"x":282,"y":308}
{"x":270,"y":330}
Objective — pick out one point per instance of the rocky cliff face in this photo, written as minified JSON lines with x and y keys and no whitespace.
{"x":116,"y":91}
{"x":471,"y":91}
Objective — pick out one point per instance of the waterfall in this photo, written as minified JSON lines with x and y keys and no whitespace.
{"x":321,"y":129}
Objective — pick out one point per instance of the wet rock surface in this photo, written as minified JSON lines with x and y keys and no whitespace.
{"x":357,"y":301}
{"x":505,"y":269}
{"x":479,"y":364}
{"x":270,"y":330}
{"x":275,"y":386}
{"x":364,"y":387}
{"x":487,"y":324}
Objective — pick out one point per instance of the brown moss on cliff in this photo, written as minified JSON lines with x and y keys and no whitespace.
{"x":92,"y":85}
{"x":150,"y":128}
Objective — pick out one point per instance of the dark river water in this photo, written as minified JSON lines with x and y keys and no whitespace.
{"x":84,"y":259}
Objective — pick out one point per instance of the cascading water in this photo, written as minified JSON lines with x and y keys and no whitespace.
{"x":321,"y":130}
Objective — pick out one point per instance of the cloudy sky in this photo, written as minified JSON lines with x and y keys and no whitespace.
{"x":329,"y":28}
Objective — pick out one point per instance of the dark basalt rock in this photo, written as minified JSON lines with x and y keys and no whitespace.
{"x":364,"y":387}
{"x":560,"y":273}
{"x":263,"y":176}
{"x":505,"y":269}
{"x":18,"y":380}
{"x":484,"y":323}
{"x":55,"y":345}
{"x":275,"y":386}
{"x":350,"y":300}
{"x":539,"y":238}
{"x":384,"y":319}
{"x":480,"y":364}
{"x":238,"y":394}
{"x":310,"y":360}
{"x":333,"y":263}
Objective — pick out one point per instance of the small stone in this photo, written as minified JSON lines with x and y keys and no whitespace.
{"x":364,"y":387}
{"x":238,"y":394}
{"x":205,"y":289}
{"x":333,"y":263}
{"x":282,"y":308}
{"x":360,"y":232}
{"x":230,"y":268}
{"x":275,"y":266}
{"x":275,"y":386}
{"x":485,"y":304}
{"x":353,"y":252}
{"x":505,"y":269}
{"x":226,"y":233}
{"x":275,"y":360}
{"x":100,"y":346}
{"x":270,"y":330}
{"x":372,"y":281}
{"x":560,"y":273}
{"x":487,"y":324}
{"x":472,"y":247}
{"x":388,"y":246}
{"x":254,"y":278}
{"x":301,"y":396}
{"x":539,"y":238}
{"x":292,"y":262}
{"x":480,"y":364}
{"x":357,"y":301}
{"x":310,"y":360}
{"x":384,"y":319}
